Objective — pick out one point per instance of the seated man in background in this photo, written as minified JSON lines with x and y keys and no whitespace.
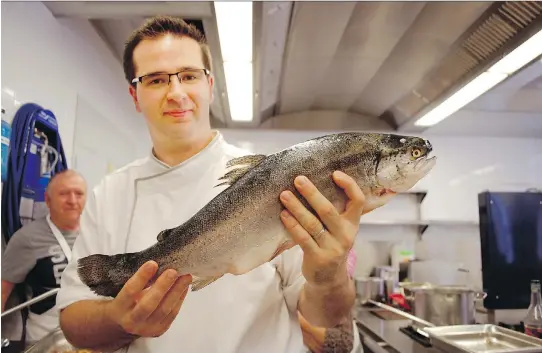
{"x":39,"y":251}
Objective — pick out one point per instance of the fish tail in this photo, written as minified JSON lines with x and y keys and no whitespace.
{"x":105,"y":275}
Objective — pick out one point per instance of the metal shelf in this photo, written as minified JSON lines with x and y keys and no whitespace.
{"x":420,"y":223}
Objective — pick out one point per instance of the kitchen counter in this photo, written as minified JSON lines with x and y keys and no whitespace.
{"x":382,"y":331}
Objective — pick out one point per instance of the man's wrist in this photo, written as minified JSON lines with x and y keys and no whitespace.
{"x":111,"y":317}
{"x":123,"y":338}
{"x":109,"y":314}
{"x":328,"y":304}
{"x":340,"y":283}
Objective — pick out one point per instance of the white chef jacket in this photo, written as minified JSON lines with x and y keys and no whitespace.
{"x":254,"y":312}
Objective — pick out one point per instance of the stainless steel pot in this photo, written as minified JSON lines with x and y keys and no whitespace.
{"x":407,"y":290}
{"x":369,"y":288}
{"x":444,"y":305}
{"x":384,"y":271}
{"x":389,"y":275}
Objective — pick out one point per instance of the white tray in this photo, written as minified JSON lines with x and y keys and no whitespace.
{"x":482,"y":338}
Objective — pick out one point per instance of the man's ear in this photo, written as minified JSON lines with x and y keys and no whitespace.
{"x":133,"y":93}
{"x":212,"y":87}
{"x":47,"y":199}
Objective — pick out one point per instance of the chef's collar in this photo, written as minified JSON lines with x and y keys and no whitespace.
{"x":217,"y":138}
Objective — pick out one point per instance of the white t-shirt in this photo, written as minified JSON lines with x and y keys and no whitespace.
{"x":255,"y":312}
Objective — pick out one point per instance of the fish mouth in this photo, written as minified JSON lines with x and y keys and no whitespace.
{"x":414,"y":173}
{"x":425,"y":162}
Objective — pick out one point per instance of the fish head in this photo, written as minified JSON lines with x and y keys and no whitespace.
{"x":402,"y":161}
{"x":383,"y":165}
{"x":387,"y":164}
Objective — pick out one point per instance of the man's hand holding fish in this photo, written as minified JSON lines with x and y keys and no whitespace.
{"x":329,"y":292}
{"x":149,"y":312}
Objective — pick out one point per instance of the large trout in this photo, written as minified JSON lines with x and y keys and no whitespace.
{"x":240,"y":229}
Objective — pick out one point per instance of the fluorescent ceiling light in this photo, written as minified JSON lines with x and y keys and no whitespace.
{"x":505,"y":67}
{"x":520,"y":56}
{"x":239,"y":86}
{"x":234,"y":21}
{"x":464,"y":96}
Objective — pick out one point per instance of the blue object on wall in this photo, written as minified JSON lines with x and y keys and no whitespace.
{"x":35,"y":155}
{"x":6,"y":132}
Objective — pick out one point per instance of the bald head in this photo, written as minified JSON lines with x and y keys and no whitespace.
{"x":66,"y":197}
{"x":61,"y":177}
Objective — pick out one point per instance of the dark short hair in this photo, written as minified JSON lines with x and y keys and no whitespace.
{"x":159,"y":26}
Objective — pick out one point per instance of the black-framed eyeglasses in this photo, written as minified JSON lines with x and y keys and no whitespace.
{"x":157,"y":80}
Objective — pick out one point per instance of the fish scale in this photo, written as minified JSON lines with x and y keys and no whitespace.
{"x":240,"y":229}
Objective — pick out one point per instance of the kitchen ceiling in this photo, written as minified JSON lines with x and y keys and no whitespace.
{"x":374,"y":65}
{"x":370,"y":55}
{"x":387,"y":61}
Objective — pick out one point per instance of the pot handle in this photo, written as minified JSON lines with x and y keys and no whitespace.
{"x":407,"y":294}
{"x":480,"y":295}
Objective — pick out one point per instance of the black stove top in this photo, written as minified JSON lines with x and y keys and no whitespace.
{"x":416,"y":336}
{"x":516,"y":327}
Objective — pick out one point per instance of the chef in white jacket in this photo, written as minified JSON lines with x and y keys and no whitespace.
{"x":168,"y":67}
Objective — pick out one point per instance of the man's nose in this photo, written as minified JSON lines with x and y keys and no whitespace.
{"x":176,"y":90}
{"x":72,"y":198}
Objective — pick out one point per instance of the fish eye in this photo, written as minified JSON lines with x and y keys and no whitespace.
{"x":416,"y":152}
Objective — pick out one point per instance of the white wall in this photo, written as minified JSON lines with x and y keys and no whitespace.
{"x":53,"y":62}
{"x":465,"y":167}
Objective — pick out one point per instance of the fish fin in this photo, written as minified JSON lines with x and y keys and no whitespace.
{"x":161,"y":236}
{"x":200,"y":283}
{"x":235,"y":174}
{"x":380,"y":191}
{"x":287,"y":244}
{"x":244,"y":164}
{"x":252,"y":160}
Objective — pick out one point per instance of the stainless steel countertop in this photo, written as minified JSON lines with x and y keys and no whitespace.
{"x":388,"y":331}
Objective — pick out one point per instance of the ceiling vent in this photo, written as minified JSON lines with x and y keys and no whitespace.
{"x":502,"y":27}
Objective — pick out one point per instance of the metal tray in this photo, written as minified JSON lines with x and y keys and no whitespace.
{"x":482,"y":338}
{"x":54,"y":342}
